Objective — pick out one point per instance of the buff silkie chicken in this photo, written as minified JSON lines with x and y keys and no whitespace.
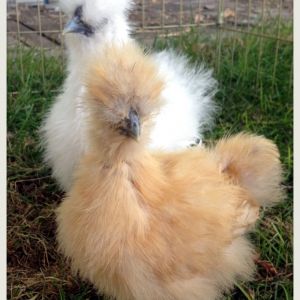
{"x":187,"y":93}
{"x":150,"y":225}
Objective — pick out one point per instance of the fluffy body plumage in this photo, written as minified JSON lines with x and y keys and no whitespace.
{"x":156,"y":225}
{"x":187,"y":95}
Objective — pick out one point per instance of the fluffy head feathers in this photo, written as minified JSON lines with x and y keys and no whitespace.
{"x":120,"y":82}
{"x":93,"y":23}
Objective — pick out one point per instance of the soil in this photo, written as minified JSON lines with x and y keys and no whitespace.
{"x":157,"y":14}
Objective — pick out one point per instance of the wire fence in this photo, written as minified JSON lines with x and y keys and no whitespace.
{"x":38,"y":25}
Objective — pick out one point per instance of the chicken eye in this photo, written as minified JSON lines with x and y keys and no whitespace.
{"x":78,"y":12}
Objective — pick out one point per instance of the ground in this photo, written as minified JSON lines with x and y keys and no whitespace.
{"x":31,"y":20}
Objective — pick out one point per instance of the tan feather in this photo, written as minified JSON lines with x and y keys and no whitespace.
{"x":156,"y":226}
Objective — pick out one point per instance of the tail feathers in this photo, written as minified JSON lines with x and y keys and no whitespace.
{"x":253,"y":162}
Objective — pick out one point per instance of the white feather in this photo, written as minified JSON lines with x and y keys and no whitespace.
{"x":188,"y":105}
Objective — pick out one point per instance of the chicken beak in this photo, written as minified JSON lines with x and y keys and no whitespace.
{"x":71,"y":27}
{"x":132,"y":125}
{"x":75,"y":25}
{"x":134,"y":128}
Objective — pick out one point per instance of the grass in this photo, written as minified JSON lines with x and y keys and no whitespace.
{"x":252,"y":97}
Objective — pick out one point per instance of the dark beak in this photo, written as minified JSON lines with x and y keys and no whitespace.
{"x":76,"y":25}
{"x":132,"y":127}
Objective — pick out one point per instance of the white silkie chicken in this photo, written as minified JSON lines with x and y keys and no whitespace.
{"x":187,"y":108}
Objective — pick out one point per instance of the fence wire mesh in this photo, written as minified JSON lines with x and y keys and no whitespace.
{"x":39,"y":26}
